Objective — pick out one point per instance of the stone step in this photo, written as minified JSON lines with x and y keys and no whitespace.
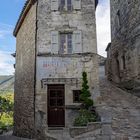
{"x":59,"y":133}
{"x":55,"y":128}
{"x":91,"y":127}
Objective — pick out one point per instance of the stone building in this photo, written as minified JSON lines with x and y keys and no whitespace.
{"x":123,"y":53}
{"x":56,"y":42}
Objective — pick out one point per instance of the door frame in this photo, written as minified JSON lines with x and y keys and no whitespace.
{"x":55,"y":87}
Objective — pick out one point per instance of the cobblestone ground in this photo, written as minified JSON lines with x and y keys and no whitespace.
{"x":121,"y":109}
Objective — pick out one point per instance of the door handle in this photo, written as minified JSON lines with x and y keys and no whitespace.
{"x":55,"y":109}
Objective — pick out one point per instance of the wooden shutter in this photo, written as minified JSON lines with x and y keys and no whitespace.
{"x":77,"y":4}
{"x":54,"y":42}
{"x":77,"y":42}
{"x":54,"y":5}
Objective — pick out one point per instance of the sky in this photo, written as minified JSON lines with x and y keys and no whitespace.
{"x":9,"y":13}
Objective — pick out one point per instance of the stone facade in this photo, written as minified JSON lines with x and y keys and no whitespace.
{"x":123,"y":54}
{"x":39,"y":64}
{"x":25,"y":76}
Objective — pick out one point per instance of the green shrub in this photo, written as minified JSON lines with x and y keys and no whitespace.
{"x":85,"y":93}
{"x":6,"y":111}
{"x":84,"y":117}
{"x":6,"y":121}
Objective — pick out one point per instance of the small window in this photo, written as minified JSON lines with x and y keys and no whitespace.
{"x":118,"y":19}
{"x":65,"y":5}
{"x":69,"y":5}
{"x":124,"y":65}
{"x":62,"y":5}
{"x":76,"y":96}
{"x":65,"y":43}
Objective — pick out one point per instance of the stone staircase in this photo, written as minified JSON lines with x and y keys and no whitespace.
{"x":59,"y":134}
{"x":92,"y":130}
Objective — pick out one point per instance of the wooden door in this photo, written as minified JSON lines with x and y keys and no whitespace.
{"x":56,"y":106}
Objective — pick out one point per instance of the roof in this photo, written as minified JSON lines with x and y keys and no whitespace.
{"x":108,"y":46}
{"x":28,"y":4}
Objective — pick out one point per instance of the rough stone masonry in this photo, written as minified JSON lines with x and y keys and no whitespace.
{"x":123,"y":60}
{"x":56,"y":42}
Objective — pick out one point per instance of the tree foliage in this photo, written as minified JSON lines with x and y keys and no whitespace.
{"x":6,"y":111}
{"x":85,"y":93}
{"x":85,"y":115}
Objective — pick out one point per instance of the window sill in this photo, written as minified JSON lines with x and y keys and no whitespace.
{"x":67,"y":12}
{"x":78,"y":106}
{"x":65,"y":55}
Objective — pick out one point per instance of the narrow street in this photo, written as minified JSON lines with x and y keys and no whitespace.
{"x":120,"y":108}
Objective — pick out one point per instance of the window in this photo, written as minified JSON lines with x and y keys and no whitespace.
{"x":76,"y":96}
{"x":118,"y":19}
{"x":65,"y":5}
{"x":65,"y":43}
{"x":123,"y":58}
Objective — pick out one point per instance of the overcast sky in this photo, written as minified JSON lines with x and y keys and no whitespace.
{"x":103,"y":26}
{"x":9,"y":13}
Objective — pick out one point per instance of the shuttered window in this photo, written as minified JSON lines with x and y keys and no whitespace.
{"x":65,"y":5}
{"x":66,"y":43}
{"x":62,"y":5}
{"x":69,"y":39}
{"x":77,"y":42}
{"x":69,"y":5}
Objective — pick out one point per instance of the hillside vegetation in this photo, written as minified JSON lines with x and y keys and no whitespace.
{"x":6,"y":102}
{"x":7,"y":83}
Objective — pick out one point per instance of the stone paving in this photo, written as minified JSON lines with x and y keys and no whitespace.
{"x":11,"y":138}
{"x":121,"y":110}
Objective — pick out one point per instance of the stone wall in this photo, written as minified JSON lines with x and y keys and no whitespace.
{"x":56,"y":66}
{"x":25,"y":76}
{"x":124,"y":53}
{"x":83,"y":20}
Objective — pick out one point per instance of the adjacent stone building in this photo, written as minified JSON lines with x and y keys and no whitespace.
{"x":123,"y":53}
{"x":56,"y":42}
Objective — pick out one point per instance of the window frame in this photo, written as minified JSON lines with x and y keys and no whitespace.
{"x":76,"y":96}
{"x":62,"y":49}
{"x":65,"y":6}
